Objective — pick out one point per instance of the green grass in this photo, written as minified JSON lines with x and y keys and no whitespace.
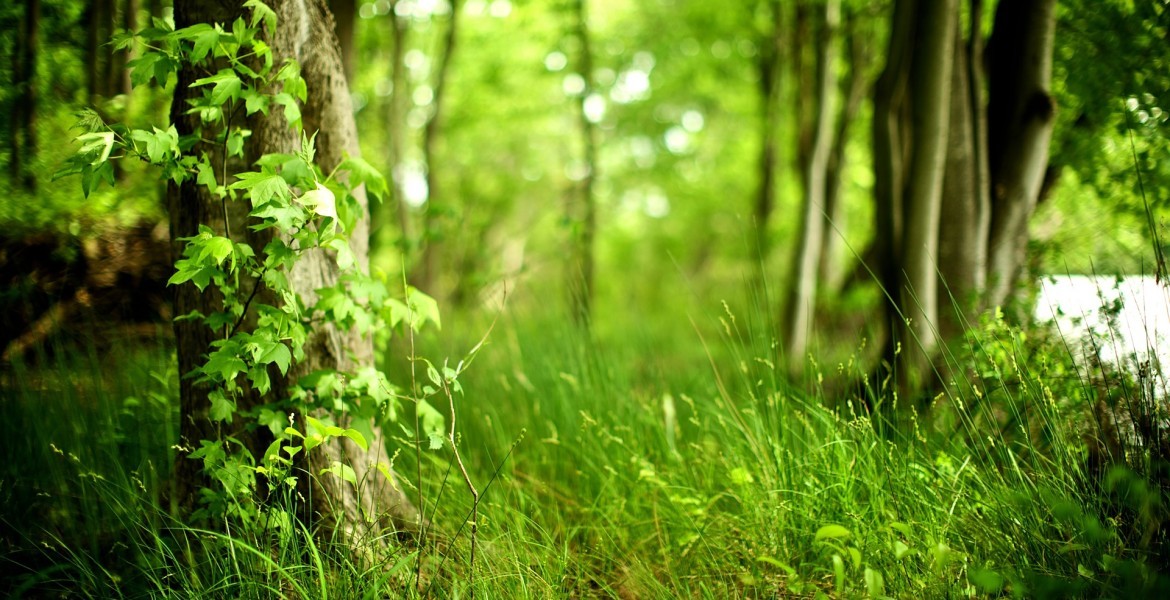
{"x":651,"y":462}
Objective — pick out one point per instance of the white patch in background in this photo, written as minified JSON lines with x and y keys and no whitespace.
{"x":594,"y":108}
{"x":414,"y":183}
{"x":1138,"y":332}
{"x":555,"y":61}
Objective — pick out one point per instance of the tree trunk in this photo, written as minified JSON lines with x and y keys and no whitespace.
{"x":1020,"y":116}
{"x":111,"y":74}
{"x":802,"y":301}
{"x":990,"y":159}
{"x":962,"y":254}
{"x":305,"y":33}
{"x":856,"y":88}
{"x":119,"y":74}
{"x":769,"y":65}
{"x":24,"y":110}
{"x":427,"y":269}
{"x":94,"y":37}
{"x":930,"y":95}
{"x":890,"y":155}
{"x":399,"y":99}
{"x":584,"y":218}
{"x":345,"y":14}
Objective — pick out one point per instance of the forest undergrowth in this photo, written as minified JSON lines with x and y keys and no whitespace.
{"x":646,"y":463}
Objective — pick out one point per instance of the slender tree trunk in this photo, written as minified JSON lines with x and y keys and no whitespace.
{"x":428,"y":267}
{"x":804,"y":62}
{"x":769,"y":64}
{"x":891,"y":156}
{"x":111,"y":61}
{"x":962,"y":253}
{"x":399,"y":99}
{"x":930,"y":95}
{"x":802,"y":301}
{"x":345,"y":14}
{"x":856,"y":89}
{"x":119,"y":74}
{"x":1021,"y":113}
{"x":305,"y":33}
{"x":92,"y":40}
{"x":584,"y":220}
{"x":24,"y":110}
{"x":99,"y":61}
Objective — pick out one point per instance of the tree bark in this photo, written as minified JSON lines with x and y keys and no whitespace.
{"x":1021,"y":113}
{"x":769,"y":64}
{"x":24,"y":111}
{"x":584,"y":218}
{"x":119,"y":74}
{"x":930,"y":95}
{"x":95,"y":35}
{"x":891,"y":155}
{"x":962,"y":255}
{"x":399,"y":99}
{"x":856,"y":87}
{"x":802,"y":301}
{"x":428,"y":263}
{"x":345,"y":14}
{"x":305,"y":33}
{"x":992,"y":157}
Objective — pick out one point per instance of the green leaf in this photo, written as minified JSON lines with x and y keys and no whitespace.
{"x":384,"y":469}
{"x":159,"y":144}
{"x":345,"y":258}
{"x":262,"y":187}
{"x":292,"y":111}
{"x":261,"y":12}
{"x":204,"y":36}
{"x":357,"y":438}
{"x":290,"y":76}
{"x":432,"y":422}
{"x":423,"y":308}
{"x":211,"y":452}
{"x":218,"y":248}
{"x":260,"y":379}
{"x":274,"y":420}
{"x":235,"y":143}
{"x":225,"y":363}
{"x":276,"y":352}
{"x":832,"y":532}
{"x":775,"y":563}
{"x":284,"y":216}
{"x":341,"y":470}
{"x":254,"y":101}
{"x":986,"y":580}
{"x":227,"y":86}
{"x":98,"y":143}
{"x":147,"y":67}
{"x":875,"y":584}
{"x":206,"y":176}
{"x":222,"y":407}
{"x":361,"y":172}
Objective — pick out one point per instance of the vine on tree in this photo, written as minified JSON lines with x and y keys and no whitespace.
{"x":307,"y":208}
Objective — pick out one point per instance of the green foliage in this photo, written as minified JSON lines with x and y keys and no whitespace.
{"x":307,"y":211}
{"x":764,"y":491}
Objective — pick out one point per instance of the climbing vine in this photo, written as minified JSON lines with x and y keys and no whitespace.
{"x":307,"y":210}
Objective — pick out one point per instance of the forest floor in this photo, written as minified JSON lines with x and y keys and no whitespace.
{"x":641,"y":465}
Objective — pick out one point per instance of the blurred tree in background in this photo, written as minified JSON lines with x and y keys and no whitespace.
{"x":603,"y":156}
